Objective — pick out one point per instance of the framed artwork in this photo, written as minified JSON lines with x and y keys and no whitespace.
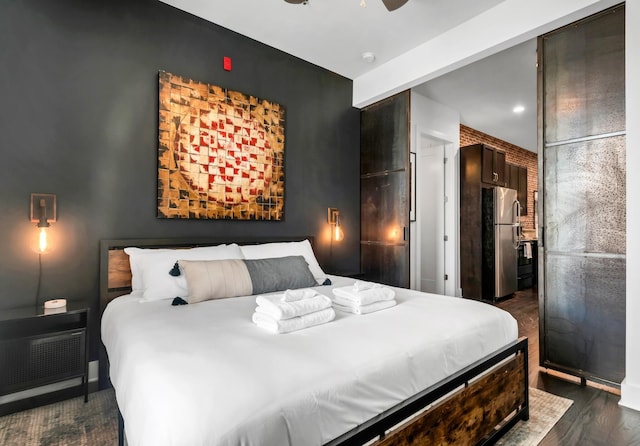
{"x":220,"y":153}
{"x":412,"y":190}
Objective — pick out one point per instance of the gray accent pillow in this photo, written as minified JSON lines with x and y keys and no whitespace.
{"x":279,"y":274}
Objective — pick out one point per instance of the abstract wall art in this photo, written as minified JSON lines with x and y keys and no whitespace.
{"x":220,"y":153}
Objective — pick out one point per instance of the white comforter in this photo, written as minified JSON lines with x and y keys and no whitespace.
{"x":204,"y":374}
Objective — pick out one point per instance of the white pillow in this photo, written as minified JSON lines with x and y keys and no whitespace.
{"x":150,"y":268}
{"x":285,"y":249}
{"x":135,"y":264}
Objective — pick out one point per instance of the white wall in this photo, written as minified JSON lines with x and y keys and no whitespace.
{"x":509,"y":23}
{"x":631,"y":383}
{"x":443,"y":123}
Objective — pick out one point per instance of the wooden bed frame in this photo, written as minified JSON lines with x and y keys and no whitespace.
{"x":475,"y":406}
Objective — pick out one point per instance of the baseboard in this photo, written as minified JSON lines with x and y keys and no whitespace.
{"x":630,"y":396}
{"x":93,"y":371}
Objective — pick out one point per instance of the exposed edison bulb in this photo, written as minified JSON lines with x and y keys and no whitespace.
{"x":394,"y":233}
{"x":338,"y":235}
{"x":42,"y":240}
{"x":333,"y":219}
{"x":363,"y":3}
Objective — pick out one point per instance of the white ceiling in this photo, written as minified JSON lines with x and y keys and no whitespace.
{"x":334,"y":34}
{"x":485,"y":93}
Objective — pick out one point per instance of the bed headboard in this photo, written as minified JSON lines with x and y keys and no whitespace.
{"x":115,"y":272}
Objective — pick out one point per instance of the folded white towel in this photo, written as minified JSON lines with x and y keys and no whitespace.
{"x":297,"y":323}
{"x":364,"y":309}
{"x":360,"y":285}
{"x":273,"y":306}
{"x":527,"y":250}
{"x":296,"y":295}
{"x":365,"y":297}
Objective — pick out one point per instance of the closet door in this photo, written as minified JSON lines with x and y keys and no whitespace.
{"x":582,"y":325}
{"x":384,"y":191}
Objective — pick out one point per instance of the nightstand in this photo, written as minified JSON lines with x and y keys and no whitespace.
{"x":39,"y":347}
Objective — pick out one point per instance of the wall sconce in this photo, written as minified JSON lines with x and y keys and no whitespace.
{"x":43,"y":212}
{"x":333,"y":218}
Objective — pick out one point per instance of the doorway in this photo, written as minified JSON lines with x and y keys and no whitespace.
{"x":431,"y":203}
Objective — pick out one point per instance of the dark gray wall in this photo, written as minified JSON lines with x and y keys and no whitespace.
{"x":79,"y":113}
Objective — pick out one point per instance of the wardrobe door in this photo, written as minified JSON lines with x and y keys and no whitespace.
{"x":582,"y":325}
{"x":384,"y":190}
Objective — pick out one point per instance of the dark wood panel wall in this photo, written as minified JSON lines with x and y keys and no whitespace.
{"x":80,"y":119}
{"x":384,"y":189}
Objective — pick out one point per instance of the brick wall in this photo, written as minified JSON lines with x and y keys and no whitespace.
{"x":515,"y":155}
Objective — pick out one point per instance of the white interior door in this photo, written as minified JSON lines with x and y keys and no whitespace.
{"x":430,"y":196}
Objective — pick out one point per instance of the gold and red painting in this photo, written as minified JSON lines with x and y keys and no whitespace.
{"x":220,"y":153}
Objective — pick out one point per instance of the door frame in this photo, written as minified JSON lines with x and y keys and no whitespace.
{"x":450,"y":267}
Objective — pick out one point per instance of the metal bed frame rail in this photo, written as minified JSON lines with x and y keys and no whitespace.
{"x":382,"y":423}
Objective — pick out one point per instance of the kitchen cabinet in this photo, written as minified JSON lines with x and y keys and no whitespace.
{"x":471,"y":186}
{"x":494,"y":166}
{"x":527,"y":266}
{"x":516,"y":178}
{"x":475,"y":161}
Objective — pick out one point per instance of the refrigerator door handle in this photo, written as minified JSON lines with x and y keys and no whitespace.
{"x":516,"y":229}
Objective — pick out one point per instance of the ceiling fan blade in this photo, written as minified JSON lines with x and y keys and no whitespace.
{"x":295,"y":2}
{"x":392,"y":5}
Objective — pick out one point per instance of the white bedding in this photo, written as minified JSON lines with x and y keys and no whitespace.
{"x":204,"y":374}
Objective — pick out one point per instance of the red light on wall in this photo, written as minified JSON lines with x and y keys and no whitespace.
{"x":226,"y":63}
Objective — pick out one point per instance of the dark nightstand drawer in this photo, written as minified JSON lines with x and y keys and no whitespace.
{"x":43,"y":359}
{"x":37,"y":349}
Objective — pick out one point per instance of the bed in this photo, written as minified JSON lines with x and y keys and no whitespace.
{"x":432,"y":369}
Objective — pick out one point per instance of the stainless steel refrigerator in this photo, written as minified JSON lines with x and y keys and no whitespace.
{"x":500,"y":240}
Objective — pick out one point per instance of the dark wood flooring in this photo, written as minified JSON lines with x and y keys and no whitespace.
{"x":595,"y":418}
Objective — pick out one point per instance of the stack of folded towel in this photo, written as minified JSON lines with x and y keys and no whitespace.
{"x":363,"y":297}
{"x":292,"y":310}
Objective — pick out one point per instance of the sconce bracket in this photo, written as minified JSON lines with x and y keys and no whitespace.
{"x":50,"y":207}
{"x":332,"y":213}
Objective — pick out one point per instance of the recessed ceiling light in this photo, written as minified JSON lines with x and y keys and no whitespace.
{"x":518,"y":109}
{"x":368,"y":57}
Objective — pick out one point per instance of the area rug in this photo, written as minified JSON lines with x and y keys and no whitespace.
{"x":69,"y":423}
{"x":74,"y":423}
{"x":545,"y":409}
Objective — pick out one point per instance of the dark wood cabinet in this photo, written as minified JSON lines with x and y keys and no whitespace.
{"x":516,"y":178}
{"x":512,"y":176}
{"x":523,"y":190}
{"x":494,"y":166}
{"x":471,"y":185}
{"x":481,"y":167}
{"x":527,"y":265}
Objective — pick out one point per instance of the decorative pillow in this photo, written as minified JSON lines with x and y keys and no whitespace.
{"x":150,"y":268}
{"x":283,"y":249}
{"x":217,"y":279}
{"x":279,"y":274}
